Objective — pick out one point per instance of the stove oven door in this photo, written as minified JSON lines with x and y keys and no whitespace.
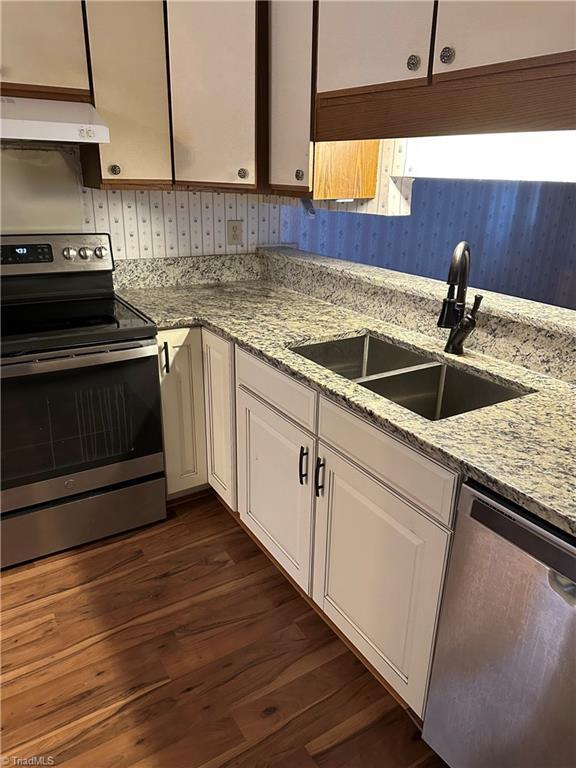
{"x":78,"y":421}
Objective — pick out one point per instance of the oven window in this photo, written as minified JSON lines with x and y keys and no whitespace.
{"x":77,"y":419}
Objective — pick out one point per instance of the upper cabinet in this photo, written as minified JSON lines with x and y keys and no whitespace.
{"x":129,"y":75}
{"x":43,"y":45}
{"x":291,"y":54}
{"x":370,"y":43}
{"x":497,"y":67}
{"x":212,"y":52}
{"x":478,"y":33}
{"x":325,"y":171}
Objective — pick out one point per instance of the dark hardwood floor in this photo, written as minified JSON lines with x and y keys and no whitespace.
{"x":181,"y":645}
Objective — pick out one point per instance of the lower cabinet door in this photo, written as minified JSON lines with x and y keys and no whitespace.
{"x":378,"y":572}
{"x":180,"y":358}
{"x":219,"y":389}
{"x":275,"y":469}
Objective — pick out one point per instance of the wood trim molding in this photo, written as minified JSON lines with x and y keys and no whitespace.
{"x":314,"y":67}
{"x":130,"y":184}
{"x":365,"y":90}
{"x":522,"y":98}
{"x":169,"y":87}
{"x":216,"y":186}
{"x":290,"y":190}
{"x":542,"y":66}
{"x":53,"y":93}
{"x":262,"y":120}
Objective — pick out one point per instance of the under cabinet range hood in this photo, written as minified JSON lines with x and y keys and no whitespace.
{"x":51,"y":120}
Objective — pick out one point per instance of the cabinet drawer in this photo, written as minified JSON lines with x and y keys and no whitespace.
{"x":295,"y":400}
{"x":417,"y":478}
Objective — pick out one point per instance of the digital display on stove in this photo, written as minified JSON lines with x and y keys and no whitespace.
{"x":26,"y":254}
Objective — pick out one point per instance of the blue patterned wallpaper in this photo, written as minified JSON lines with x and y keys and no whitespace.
{"x":522,"y":235}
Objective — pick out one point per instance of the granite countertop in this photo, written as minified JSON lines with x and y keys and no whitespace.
{"x":523,"y":449}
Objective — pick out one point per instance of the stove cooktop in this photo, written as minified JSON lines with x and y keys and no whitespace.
{"x":28,"y":328}
{"x":57,"y":292}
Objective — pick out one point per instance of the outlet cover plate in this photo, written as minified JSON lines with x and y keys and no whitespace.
{"x":235,"y":232}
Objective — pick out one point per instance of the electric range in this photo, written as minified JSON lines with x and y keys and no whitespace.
{"x":81,"y":453}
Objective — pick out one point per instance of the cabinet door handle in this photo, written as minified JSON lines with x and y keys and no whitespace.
{"x":317,"y":487}
{"x":301,"y":474}
{"x":166,"y":357}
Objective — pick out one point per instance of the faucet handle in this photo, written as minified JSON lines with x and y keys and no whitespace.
{"x":477,"y":301}
{"x":449,"y":314}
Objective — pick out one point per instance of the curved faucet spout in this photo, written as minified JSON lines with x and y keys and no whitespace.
{"x":459,"y":271}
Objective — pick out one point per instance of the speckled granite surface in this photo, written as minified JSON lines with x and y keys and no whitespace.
{"x":538,"y":336}
{"x":523,"y":449}
{"x":187,"y":270}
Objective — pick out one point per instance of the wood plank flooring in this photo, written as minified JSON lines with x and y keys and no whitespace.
{"x":181,"y":645}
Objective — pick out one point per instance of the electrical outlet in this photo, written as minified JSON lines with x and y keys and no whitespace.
{"x":235,"y":232}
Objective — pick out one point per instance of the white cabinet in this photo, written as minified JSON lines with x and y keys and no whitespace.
{"x":130,"y":87}
{"x":366,"y":547}
{"x":275,"y":496}
{"x":482,"y":33}
{"x":219,"y":395}
{"x":367,"y":43}
{"x":290,"y":93}
{"x":180,"y":358}
{"x":212,"y":52}
{"x":378,"y":570}
{"x":423,"y":482}
{"x":293,"y":398}
{"x":43,"y":44}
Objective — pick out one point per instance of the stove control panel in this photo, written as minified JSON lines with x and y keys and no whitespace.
{"x":46,"y":254}
{"x":26,"y":253}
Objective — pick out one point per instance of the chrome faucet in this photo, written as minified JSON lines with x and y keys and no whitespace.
{"x":453,"y":314}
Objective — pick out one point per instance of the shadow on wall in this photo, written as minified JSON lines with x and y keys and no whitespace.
{"x":522,"y":235}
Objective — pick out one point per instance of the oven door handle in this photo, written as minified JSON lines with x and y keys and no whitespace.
{"x":14,"y":370}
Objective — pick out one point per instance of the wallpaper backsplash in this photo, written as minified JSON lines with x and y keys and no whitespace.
{"x":157,"y":224}
{"x":522,"y":235}
{"x":144,"y":224}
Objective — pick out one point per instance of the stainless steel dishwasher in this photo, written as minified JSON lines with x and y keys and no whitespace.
{"x":503,"y":685}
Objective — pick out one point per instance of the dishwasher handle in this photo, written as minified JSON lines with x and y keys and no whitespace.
{"x":550,"y":550}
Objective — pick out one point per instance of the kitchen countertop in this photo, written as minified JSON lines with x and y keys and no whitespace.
{"x":523,"y":449}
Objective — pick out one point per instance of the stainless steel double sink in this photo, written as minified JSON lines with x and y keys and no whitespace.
{"x":425,"y":386}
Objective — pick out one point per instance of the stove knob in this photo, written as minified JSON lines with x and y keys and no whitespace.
{"x":101,"y":252}
{"x":69,"y":253}
{"x":85,"y":253}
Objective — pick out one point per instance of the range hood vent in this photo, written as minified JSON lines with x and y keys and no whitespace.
{"x":50,"y":120}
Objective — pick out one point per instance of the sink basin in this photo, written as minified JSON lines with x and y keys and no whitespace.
{"x":425,"y":386}
{"x":360,"y":356}
{"x":440,"y":391}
